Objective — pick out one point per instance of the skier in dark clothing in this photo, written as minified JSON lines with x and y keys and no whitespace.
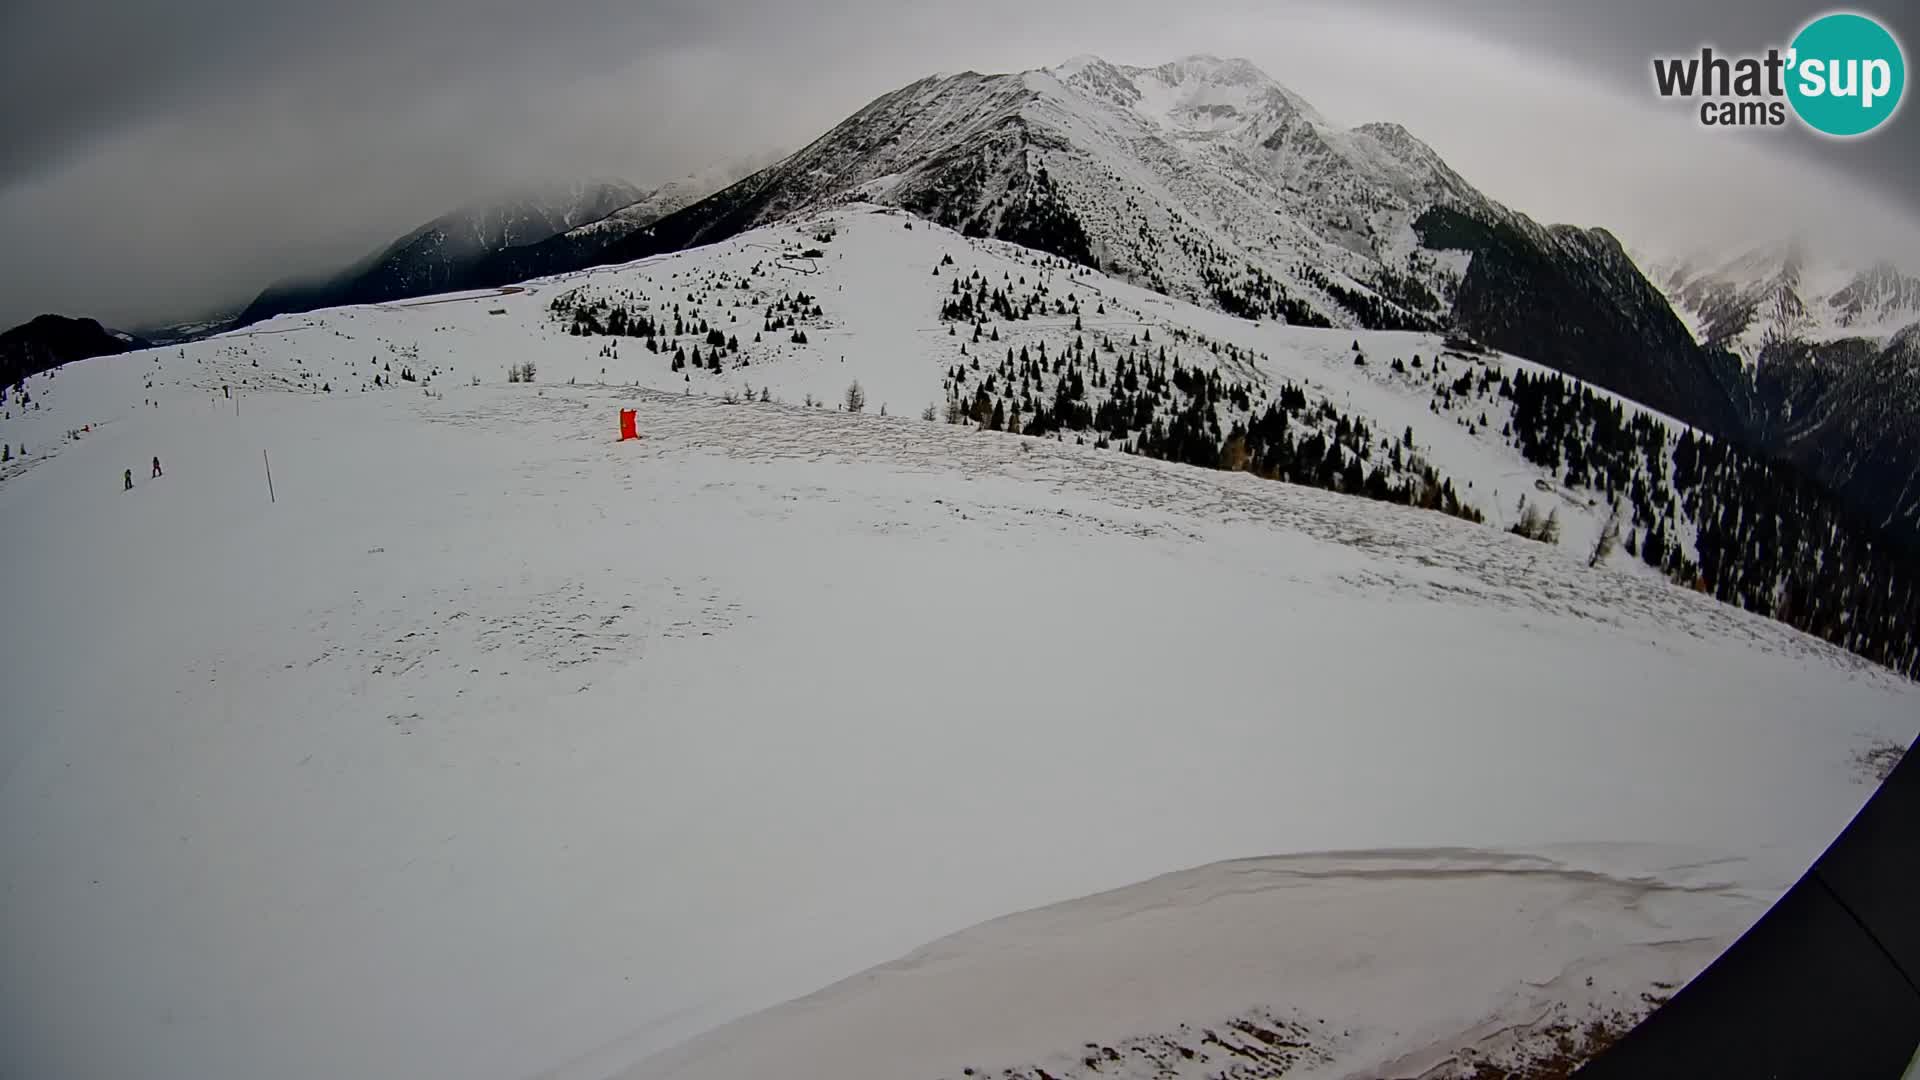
{"x":156,"y":466}
{"x":129,"y":480}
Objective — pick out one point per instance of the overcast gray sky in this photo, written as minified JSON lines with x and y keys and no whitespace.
{"x":159,"y":159}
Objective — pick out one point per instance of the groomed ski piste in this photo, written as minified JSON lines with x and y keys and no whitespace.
{"x":489,"y":746}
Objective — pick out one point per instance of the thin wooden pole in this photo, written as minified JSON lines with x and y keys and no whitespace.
{"x":269,"y":465}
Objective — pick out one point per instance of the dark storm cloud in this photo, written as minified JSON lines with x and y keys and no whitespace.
{"x":161,"y":158}
{"x":71,"y":72}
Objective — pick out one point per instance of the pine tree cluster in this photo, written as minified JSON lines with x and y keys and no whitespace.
{"x":627,"y":315}
{"x":1149,"y":401}
{"x":1255,"y":294}
{"x":1372,"y":311}
{"x":1765,"y":537}
{"x":974,"y":299}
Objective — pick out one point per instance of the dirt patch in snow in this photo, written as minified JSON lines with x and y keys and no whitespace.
{"x":1264,"y":1044}
{"x":1877,"y":761}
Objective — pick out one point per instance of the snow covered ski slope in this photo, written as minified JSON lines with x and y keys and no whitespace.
{"x":492,"y":747}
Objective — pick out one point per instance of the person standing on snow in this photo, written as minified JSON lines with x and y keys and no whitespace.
{"x":129,"y":480}
{"x":156,"y":466}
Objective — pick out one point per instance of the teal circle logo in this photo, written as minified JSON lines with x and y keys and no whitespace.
{"x":1846,"y":74}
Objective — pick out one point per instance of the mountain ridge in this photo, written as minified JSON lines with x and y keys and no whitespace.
{"x":1205,"y":179}
{"x":1783,"y":293}
{"x":1828,"y":377}
{"x":48,"y":341}
{"x":435,"y":256}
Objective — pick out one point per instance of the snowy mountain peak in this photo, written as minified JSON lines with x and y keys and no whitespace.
{"x":1398,"y":140}
{"x":1077,"y":65}
{"x":1203,"y":71}
{"x":1195,"y":95}
{"x":1202,"y":177}
{"x":1782,"y":294}
{"x":1878,"y":295}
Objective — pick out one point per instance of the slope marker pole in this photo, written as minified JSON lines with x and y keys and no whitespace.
{"x":269,"y":465}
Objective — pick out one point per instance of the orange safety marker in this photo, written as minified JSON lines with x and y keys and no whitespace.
{"x":629,"y":424}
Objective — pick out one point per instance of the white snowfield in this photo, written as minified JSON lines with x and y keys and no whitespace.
{"x":493,"y":747}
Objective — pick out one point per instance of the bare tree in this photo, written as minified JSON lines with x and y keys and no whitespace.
{"x":1609,"y":538}
{"x":856,"y":397}
{"x":1531,"y":525}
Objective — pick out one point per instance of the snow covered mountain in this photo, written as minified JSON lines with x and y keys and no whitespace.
{"x":669,"y":197}
{"x":1782,"y":296}
{"x":439,"y":255}
{"x":587,"y":244}
{"x":1203,"y":179}
{"x":1829,"y":379}
{"x":1199,"y":178}
{"x":1206,"y":180}
{"x":481,"y":744}
{"x":1847,"y":411}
